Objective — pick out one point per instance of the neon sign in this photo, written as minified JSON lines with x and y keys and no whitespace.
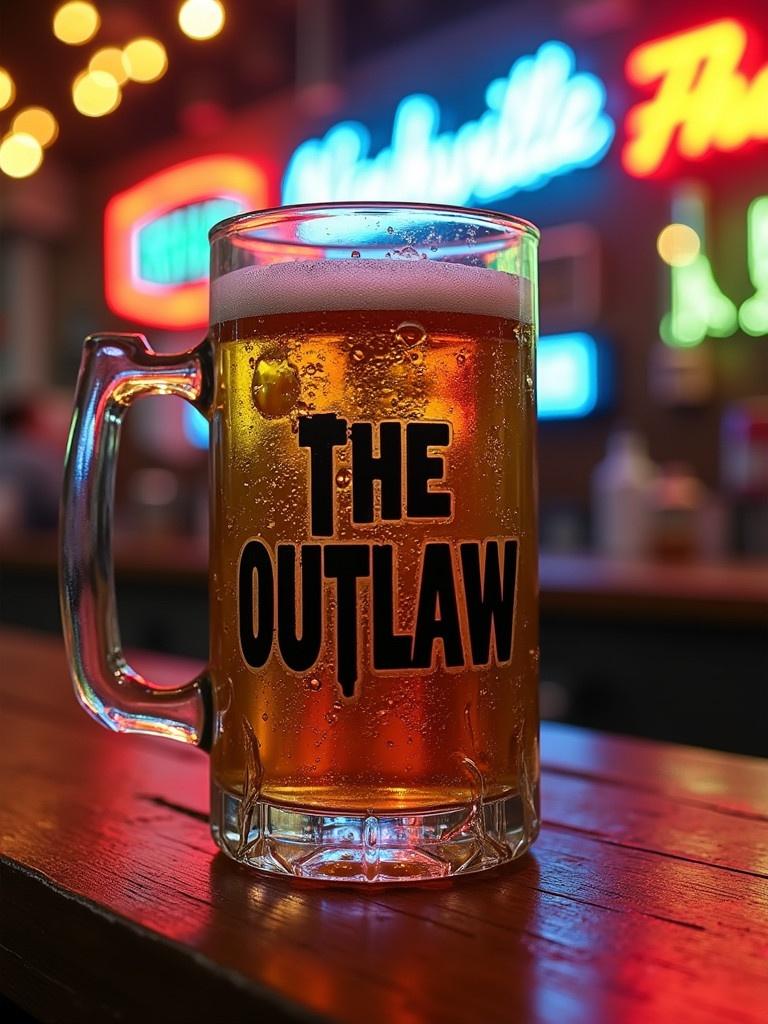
{"x":543,"y":120}
{"x":567,"y":381}
{"x":703,"y":100}
{"x":173,"y":248}
{"x":156,"y":238}
{"x":753,"y":315}
{"x":698,"y":307}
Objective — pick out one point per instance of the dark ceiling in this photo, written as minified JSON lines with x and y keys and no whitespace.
{"x":255,"y":54}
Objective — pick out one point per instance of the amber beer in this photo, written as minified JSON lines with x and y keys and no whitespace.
{"x":374,"y":561}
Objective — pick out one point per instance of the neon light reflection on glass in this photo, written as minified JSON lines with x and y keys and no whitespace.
{"x":566,"y":381}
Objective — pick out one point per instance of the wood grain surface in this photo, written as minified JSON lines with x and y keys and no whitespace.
{"x":645,"y":898}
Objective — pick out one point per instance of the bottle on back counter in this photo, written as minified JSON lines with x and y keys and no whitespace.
{"x":621,"y":497}
{"x":744,"y":468}
{"x":678,"y":507}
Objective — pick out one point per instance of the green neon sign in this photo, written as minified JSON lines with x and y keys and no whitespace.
{"x":173,"y":249}
{"x":753,"y":315}
{"x":698,"y":307}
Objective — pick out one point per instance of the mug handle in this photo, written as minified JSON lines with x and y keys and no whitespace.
{"x":115,"y":370}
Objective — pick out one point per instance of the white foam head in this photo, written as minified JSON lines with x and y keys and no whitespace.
{"x":348,"y":284}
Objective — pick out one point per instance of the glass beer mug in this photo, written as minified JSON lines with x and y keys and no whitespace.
{"x":370,"y":705}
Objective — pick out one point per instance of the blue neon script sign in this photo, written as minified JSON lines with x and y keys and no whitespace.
{"x":544,"y":119}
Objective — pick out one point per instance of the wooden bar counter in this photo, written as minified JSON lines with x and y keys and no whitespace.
{"x":644,"y":900}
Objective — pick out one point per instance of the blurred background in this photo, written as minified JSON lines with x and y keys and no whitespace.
{"x":634,"y":133}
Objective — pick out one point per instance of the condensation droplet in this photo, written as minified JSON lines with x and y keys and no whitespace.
{"x":265,"y":717}
{"x":358,"y":355}
{"x":343,"y":477}
{"x":461,"y":359}
{"x":276,"y":387}
{"x":314,"y":684}
{"x":355,"y":254}
{"x":408,"y":252}
{"x":390,"y":743}
{"x":410,"y":333}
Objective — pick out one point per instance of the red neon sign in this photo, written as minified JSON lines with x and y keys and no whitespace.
{"x":171,"y":306}
{"x":703,"y":100}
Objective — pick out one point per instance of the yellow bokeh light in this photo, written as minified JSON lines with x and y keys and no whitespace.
{"x":20,"y":155}
{"x":201,"y":19}
{"x":95,"y":93}
{"x":7,"y":89}
{"x":111,"y":60}
{"x":37,"y":122}
{"x":76,"y":22}
{"x":678,"y":245}
{"x":145,"y":59}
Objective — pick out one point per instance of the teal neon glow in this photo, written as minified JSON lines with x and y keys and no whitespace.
{"x":544,"y":119}
{"x":195,"y":427}
{"x":173,"y":249}
{"x":698,"y":308}
{"x":753,"y":314}
{"x":567,"y":382}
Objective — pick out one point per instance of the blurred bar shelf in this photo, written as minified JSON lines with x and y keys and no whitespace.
{"x":727,"y":591}
{"x":675,"y":652}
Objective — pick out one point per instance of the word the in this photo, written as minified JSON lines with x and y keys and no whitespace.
{"x":464,"y":589}
{"x":703,"y":101}
{"x":542,"y":120}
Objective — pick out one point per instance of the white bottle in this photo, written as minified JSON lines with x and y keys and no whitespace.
{"x":621,"y":497}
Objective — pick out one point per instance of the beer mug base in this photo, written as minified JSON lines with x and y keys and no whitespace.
{"x":375,"y":848}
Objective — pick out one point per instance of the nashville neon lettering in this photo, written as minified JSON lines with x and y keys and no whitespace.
{"x":703,"y":100}
{"x":542,"y":120}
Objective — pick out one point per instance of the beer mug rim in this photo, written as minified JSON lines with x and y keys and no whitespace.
{"x":499,"y":225}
